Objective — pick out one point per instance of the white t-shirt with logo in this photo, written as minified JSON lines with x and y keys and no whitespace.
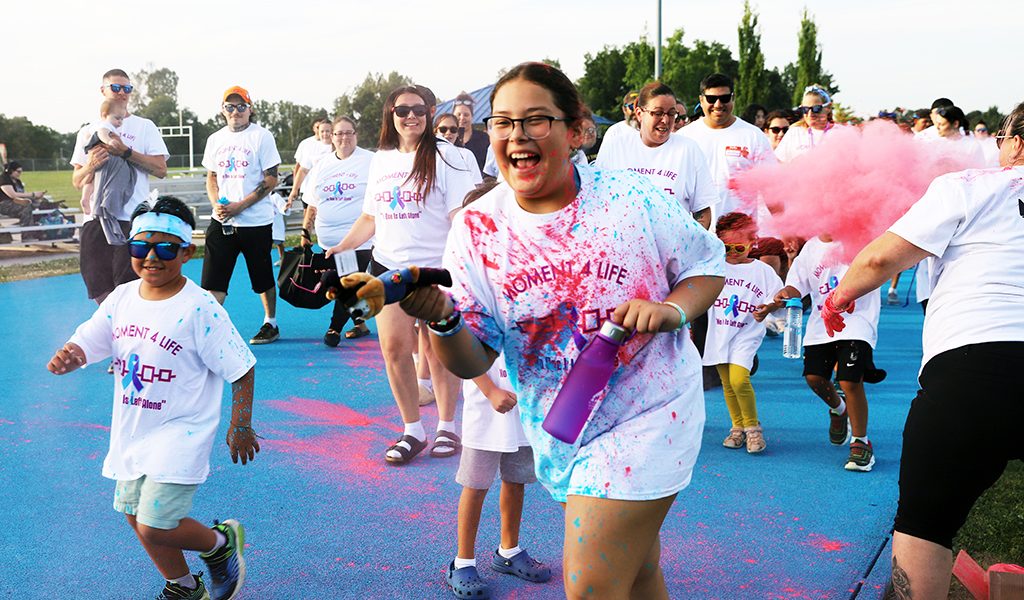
{"x":525,"y":282}
{"x":484,"y":428}
{"x":678,"y":166}
{"x":800,"y":140}
{"x":411,"y":228}
{"x":733,"y":335}
{"x":972,"y":223}
{"x":817,"y":271}
{"x":239,"y":159}
{"x":336,"y":191}
{"x":171,"y":359}
{"x":310,"y":151}
{"x":142,"y":136}
{"x":728,"y":151}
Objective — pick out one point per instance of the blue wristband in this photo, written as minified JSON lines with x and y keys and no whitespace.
{"x":682,"y":314}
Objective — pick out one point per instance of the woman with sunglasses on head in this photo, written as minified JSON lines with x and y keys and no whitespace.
{"x":550,"y":256}
{"x":672,"y":163}
{"x":414,"y":188}
{"x":815,"y":123}
{"x":336,"y":185}
{"x":962,"y":428}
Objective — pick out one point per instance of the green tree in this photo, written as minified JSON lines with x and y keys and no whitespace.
{"x":685,"y":67}
{"x":365,"y":104}
{"x":808,"y":63}
{"x":992,"y":117}
{"x":24,"y":139}
{"x":152,"y":83}
{"x":603,"y":83}
{"x":779,"y":88}
{"x":552,"y":62}
{"x":752,"y":79}
{"x":639,"y":58}
{"x":288,"y":122}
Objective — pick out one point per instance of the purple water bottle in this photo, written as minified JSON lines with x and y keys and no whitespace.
{"x":588,"y":376}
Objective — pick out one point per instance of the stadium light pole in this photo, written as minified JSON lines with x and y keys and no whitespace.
{"x":657,"y":46}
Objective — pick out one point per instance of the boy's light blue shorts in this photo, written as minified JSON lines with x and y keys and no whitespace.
{"x":155,"y":504}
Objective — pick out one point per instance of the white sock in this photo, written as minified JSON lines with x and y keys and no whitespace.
{"x":462,"y":563}
{"x":446,"y":426}
{"x":427,"y":383}
{"x":187,"y":581}
{"x":510,"y":553}
{"x":863,"y":440}
{"x":272,"y":321}
{"x":839,"y":409}
{"x":221,"y":540}
{"x":416,"y":430}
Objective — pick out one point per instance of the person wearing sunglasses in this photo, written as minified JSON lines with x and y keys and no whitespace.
{"x":476,"y":141}
{"x":815,"y":122}
{"x":336,"y":187}
{"x":415,"y":187}
{"x":174,"y":348}
{"x":532,"y":265}
{"x":681,"y":117}
{"x":104,"y":266}
{"x":672,"y":163}
{"x":307,"y":153}
{"x":241,"y":162}
{"x":729,"y":144}
{"x":628,"y":125}
{"x":962,"y":428}
{"x":987,"y":142}
{"x":446,"y":128}
{"x":776,"y":124}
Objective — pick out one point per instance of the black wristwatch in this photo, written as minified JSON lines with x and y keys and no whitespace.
{"x":127,"y":154}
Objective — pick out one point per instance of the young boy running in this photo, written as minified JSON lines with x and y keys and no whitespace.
{"x":173,"y":346}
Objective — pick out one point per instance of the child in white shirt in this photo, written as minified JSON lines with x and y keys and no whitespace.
{"x":173,"y":347}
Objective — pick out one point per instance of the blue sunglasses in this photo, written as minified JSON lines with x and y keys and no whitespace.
{"x":118,"y":88}
{"x":164,"y":250}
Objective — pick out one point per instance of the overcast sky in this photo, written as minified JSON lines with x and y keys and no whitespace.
{"x":881,"y":54}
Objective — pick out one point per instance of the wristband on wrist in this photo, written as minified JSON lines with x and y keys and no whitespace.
{"x":447,"y":326}
{"x":305,"y":234}
{"x":682,"y":314}
{"x":127,"y":154}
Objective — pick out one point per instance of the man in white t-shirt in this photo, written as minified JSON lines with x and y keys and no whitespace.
{"x":729,"y":144}
{"x":241,"y":162}
{"x":103,"y":265}
{"x":307,"y":153}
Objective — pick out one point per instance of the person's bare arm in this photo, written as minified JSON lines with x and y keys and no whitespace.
{"x":461,"y":353}
{"x":300,"y":176}
{"x":308,"y":218}
{"x":264,"y":187}
{"x":84,"y":174}
{"x":241,"y":438}
{"x":887,"y":255}
{"x":362,"y":230}
{"x":155,"y":165}
{"x":694,"y":295}
{"x":703,"y":217}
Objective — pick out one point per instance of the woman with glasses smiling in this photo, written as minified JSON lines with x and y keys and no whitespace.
{"x":815,"y":123}
{"x":414,"y":188}
{"x":543,"y":260}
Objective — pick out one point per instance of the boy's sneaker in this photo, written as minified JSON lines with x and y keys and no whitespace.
{"x":838,"y":428}
{"x":227,"y":567}
{"x":173,"y":591}
{"x":268,"y":333}
{"x":862,"y":457}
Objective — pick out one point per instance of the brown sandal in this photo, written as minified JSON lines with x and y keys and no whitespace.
{"x":415,"y":447}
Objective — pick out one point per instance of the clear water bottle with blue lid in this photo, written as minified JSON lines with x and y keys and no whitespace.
{"x":793,"y":337}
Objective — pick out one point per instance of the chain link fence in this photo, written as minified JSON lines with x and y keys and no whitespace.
{"x":175,"y":161}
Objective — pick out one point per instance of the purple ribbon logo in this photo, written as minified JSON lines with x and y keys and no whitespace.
{"x":396,"y":199}
{"x":231,"y":164}
{"x":131,"y":378}
{"x":733,"y":306}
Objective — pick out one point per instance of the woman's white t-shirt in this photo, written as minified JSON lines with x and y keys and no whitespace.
{"x":239,"y":158}
{"x":678,"y":167}
{"x":800,"y":140}
{"x":972,"y":223}
{"x":817,"y":271}
{"x":411,"y":228}
{"x":733,"y":335}
{"x":171,"y":359}
{"x":525,"y":282}
{"x":484,"y":428}
{"x":337,"y":188}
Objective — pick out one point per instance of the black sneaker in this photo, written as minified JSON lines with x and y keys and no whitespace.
{"x":173,"y":591}
{"x":332,"y":338}
{"x":227,"y":567}
{"x":267,"y":334}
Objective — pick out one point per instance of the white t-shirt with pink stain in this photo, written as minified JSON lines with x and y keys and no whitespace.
{"x":526,"y":281}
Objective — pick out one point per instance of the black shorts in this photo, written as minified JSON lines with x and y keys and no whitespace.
{"x":254,"y":243}
{"x":853,"y":357}
{"x":103,"y":267}
{"x":377,"y":269}
{"x":961,"y":431}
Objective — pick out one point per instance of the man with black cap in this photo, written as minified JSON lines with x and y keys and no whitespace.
{"x":241,"y":162}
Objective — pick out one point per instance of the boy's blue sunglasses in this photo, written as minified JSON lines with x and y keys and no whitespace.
{"x":164,"y":250}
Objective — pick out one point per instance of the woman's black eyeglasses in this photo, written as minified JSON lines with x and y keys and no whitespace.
{"x":712,"y":99}
{"x":816,"y":109}
{"x":164,"y":250}
{"x":536,"y":127}
{"x":402,"y":111}
{"x":778,"y":130}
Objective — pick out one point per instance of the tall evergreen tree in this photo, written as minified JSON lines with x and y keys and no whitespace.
{"x":752,"y":80}
{"x":808,"y":61}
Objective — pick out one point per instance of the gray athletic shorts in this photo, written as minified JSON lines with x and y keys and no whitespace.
{"x":477,"y":468}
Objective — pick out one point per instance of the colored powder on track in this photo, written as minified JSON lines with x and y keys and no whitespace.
{"x":824,"y":544}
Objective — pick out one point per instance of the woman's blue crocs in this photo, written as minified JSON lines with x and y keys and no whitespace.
{"x":522,"y":566}
{"x":466,"y":583}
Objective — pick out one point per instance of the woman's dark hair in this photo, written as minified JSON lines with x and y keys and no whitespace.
{"x":652,"y":90}
{"x":778,"y":114}
{"x":424,"y":165}
{"x":12,"y":167}
{"x":735,"y":221}
{"x":564,"y":93}
{"x":478,"y":192}
{"x":750,"y":113}
{"x":1013,"y":125}
{"x":716,"y":80}
{"x":168,"y":205}
{"x":953,"y":113}
{"x":342,"y":119}
{"x":443,"y":116}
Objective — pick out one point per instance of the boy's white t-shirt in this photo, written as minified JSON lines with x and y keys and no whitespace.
{"x":142,"y":136}
{"x":971,"y":223}
{"x":678,"y":167}
{"x":524,"y":282}
{"x":484,"y":428}
{"x":817,"y":271}
{"x":239,"y":159}
{"x":337,"y":188}
{"x":411,"y":229}
{"x":728,"y":151}
{"x":171,"y":359}
{"x":733,"y":335}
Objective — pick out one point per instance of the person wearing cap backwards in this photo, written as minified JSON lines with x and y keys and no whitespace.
{"x":241,"y":162}
{"x":103,"y":265}
{"x":174,"y":348}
